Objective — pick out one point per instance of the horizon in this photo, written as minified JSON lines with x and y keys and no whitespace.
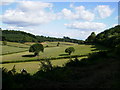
{"x":59,"y":37}
{"x":57,"y":19}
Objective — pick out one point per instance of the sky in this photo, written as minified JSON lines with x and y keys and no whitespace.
{"x":57,"y":19}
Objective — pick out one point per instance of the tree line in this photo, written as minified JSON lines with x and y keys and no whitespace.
{"x":22,"y":37}
{"x":109,"y":38}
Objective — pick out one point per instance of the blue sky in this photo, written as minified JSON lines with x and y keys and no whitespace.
{"x":58,"y":19}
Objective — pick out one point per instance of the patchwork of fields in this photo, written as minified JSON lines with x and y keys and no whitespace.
{"x":20,"y":53}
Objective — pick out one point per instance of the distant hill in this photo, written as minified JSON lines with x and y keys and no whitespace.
{"x":22,"y":37}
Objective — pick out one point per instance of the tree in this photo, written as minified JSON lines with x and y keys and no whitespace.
{"x":36,"y":48}
{"x":58,"y":44}
{"x":91,"y":38}
{"x":4,"y":42}
{"x":69,"y":50}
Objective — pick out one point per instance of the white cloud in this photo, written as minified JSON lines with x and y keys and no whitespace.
{"x":14,"y":28}
{"x":86,"y":26}
{"x":29,"y":13}
{"x":104,"y":11}
{"x":84,"y":14}
{"x":78,"y":13}
{"x":6,"y":2}
{"x":33,"y":6}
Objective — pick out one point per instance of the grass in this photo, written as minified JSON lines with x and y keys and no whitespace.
{"x":33,"y":67}
{"x":53,"y":52}
{"x":15,"y":44}
{"x":9,"y":50}
{"x":12,"y":47}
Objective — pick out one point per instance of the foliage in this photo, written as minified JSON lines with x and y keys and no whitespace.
{"x":46,"y":65}
{"x":58,"y":44}
{"x":91,"y":38}
{"x":109,"y":38}
{"x":18,"y":36}
{"x":4,"y":42}
{"x":69,"y":50}
{"x":103,"y":72}
{"x":36,"y":48}
{"x":22,"y":37}
{"x":117,"y":51}
{"x":13,"y":70}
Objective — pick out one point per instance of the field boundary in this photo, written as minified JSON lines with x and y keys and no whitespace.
{"x":73,"y":56}
{"x":13,"y":52}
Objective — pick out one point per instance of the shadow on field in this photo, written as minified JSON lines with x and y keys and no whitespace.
{"x":98,"y":47}
{"x":28,"y":55}
{"x":63,"y":54}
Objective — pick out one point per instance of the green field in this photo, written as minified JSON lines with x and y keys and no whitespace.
{"x":14,"y":44}
{"x":49,"y":52}
{"x":13,"y":47}
{"x":9,"y":49}
{"x":33,"y":67}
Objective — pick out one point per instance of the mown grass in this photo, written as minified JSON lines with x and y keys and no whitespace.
{"x":15,"y":44}
{"x":34,"y":66}
{"x":50,"y":52}
{"x":55,"y":53}
{"x":12,"y":47}
{"x":10,"y":50}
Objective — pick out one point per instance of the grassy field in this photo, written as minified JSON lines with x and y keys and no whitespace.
{"x":9,"y":49}
{"x":49,"y":52}
{"x":52,"y":51}
{"x":15,"y":44}
{"x":12,"y":47}
{"x":33,"y":67}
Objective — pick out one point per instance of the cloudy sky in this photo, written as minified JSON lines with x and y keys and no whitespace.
{"x":58,"y":19}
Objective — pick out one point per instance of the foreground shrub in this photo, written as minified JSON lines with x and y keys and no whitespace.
{"x":76,"y":63}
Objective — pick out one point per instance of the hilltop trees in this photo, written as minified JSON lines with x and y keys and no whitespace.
{"x":22,"y":37}
{"x":91,"y":38}
{"x":69,"y":50}
{"x":36,"y":48}
{"x":109,"y":38}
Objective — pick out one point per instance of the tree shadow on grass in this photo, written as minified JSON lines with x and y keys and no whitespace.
{"x":63,"y":54}
{"x":95,"y":49}
{"x":98,"y":47}
{"x":28,"y":55}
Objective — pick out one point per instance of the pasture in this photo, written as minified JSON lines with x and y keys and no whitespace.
{"x":12,"y":47}
{"x":34,"y":66}
{"x":49,"y":52}
{"x":52,"y":51}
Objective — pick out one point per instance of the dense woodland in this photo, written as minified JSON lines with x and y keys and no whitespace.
{"x":99,"y":70}
{"x":22,"y":37}
{"x":109,"y":38}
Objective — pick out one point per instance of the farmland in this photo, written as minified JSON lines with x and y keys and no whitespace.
{"x":34,"y":66}
{"x":52,"y":51}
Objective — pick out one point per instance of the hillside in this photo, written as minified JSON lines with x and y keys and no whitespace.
{"x":22,"y":37}
{"x":110,"y":37}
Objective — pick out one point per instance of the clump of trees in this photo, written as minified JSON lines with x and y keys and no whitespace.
{"x":109,"y":38}
{"x":4,"y":42}
{"x":58,"y":44}
{"x":91,"y":38}
{"x":36,"y":48}
{"x":69,"y":50}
